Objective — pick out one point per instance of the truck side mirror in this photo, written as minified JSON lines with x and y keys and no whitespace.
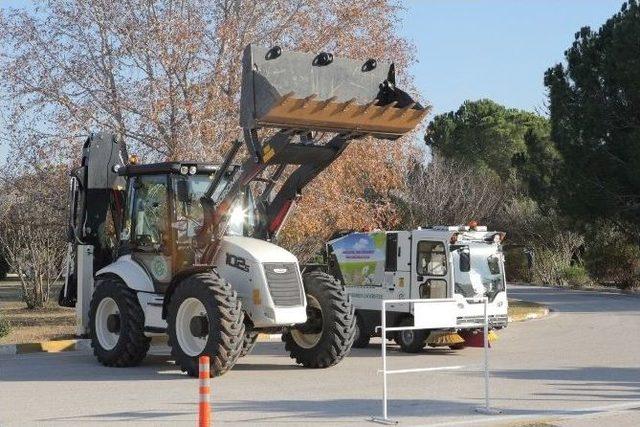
{"x":465,"y":260}
{"x":184,"y":191}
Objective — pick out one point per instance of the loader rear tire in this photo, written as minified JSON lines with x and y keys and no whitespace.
{"x":362,"y":337}
{"x":249,"y":341}
{"x":116,"y":323}
{"x":327,"y":336}
{"x":205,"y":317}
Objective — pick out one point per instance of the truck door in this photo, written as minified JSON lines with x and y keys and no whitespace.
{"x":397,"y":265}
{"x":430,"y":272}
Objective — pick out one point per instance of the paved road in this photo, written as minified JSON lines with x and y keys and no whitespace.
{"x":580,"y":366}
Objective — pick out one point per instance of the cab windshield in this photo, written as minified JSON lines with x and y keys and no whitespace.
{"x":478,"y":270}
{"x":189,"y":214}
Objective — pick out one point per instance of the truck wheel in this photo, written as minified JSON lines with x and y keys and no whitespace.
{"x":249,"y":341}
{"x":411,"y":341}
{"x":204,"y":317}
{"x":116,"y":324}
{"x":327,"y":335}
{"x":362,"y":337}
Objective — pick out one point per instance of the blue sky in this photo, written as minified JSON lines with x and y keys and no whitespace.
{"x":498,"y":49}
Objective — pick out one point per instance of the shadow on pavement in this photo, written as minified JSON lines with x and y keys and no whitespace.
{"x":596,"y":382}
{"x":336,"y":410}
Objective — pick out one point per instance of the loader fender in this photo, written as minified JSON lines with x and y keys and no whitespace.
{"x":131,"y":273}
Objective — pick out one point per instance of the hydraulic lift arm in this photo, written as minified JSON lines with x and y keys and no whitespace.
{"x":302,"y":96}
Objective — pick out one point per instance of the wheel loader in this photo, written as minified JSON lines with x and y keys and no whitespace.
{"x":186,"y":248}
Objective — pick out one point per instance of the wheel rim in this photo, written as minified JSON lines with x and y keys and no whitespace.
{"x":190,"y":344}
{"x":107,"y":339}
{"x":407,"y":337}
{"x":314,"y":315}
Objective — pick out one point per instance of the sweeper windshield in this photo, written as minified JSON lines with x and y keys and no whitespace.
{"x":478,"y":270}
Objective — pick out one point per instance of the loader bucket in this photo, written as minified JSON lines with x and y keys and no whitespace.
{"x":301,"y":91}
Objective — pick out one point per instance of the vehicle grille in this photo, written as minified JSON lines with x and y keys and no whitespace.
{"x":284,"y":283}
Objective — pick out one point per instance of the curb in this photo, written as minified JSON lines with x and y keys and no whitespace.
{"x":529,"y":316}
{"x":598,"y":289}
{"x":537,"y":311}
{"x":84,"y":344}
{"x":45,"y":347}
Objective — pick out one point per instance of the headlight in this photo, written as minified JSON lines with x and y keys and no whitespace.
{"x":184,"y":170}
{"x":192,"y":170}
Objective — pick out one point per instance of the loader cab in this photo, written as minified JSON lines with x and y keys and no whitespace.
{"x":163,"y":215}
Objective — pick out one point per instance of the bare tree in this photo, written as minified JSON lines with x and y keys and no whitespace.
{"x":553,"y":244}
{"x":166,"y":75}
{"x":31,"y":232}
{"x":445,"y":191}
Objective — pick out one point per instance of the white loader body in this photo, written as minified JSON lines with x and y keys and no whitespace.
{"x":266,"y":277}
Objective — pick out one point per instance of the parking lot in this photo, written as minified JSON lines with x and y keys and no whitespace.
{"x":580,"y":366}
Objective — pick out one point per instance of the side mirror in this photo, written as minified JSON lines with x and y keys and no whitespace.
{"x":465,"y":260}
{"x":184,"y":191}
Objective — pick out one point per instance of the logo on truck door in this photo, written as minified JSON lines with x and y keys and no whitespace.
{"x":237,"y":262}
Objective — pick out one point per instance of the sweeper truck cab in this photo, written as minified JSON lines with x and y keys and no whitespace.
{"x":461,"y":262}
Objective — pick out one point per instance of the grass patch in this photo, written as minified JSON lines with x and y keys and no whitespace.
{"x":26,"y":326}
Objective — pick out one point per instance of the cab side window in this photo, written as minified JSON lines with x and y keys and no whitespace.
{"x":432,"y":259}
{"x":150,"y":210}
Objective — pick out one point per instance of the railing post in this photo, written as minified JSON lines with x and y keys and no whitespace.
{"x":486,"y":353}
{"x":485,"y":330}
{"x":383,"y":334}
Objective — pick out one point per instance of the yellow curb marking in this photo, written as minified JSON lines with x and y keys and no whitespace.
{"x":47,"y":346}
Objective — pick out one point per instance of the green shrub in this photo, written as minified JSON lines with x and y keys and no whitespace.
{"x":576,"y":276}
{"x":516,"y":265}
{"x":5,"y":327}
{"x":548,"y":267}
{"x":610,"y":256}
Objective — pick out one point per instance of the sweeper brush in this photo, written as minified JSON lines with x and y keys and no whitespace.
{"x":444,"y":339}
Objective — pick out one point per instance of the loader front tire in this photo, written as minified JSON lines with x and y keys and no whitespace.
{"x":116,"y":323}
{"x":204,"y":317}
{"x":327,"y":335}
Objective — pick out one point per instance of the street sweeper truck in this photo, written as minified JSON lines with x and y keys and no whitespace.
{"x":461,"y":262}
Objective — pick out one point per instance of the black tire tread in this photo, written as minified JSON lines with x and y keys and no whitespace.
{"x":135,"y":346}
{"x":418,"y":344}
{"x":228,"y":323}
{"x":249,"y":341}
{"x":336,"y":342}
{"x":362,"y":337}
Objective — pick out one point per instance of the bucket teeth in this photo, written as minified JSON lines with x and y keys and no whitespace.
{"x":344,"y":117}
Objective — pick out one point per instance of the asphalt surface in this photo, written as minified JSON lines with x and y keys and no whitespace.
{"x":579,"y":366}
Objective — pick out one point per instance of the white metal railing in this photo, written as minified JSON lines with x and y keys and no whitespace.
{"x":431,"y":314}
